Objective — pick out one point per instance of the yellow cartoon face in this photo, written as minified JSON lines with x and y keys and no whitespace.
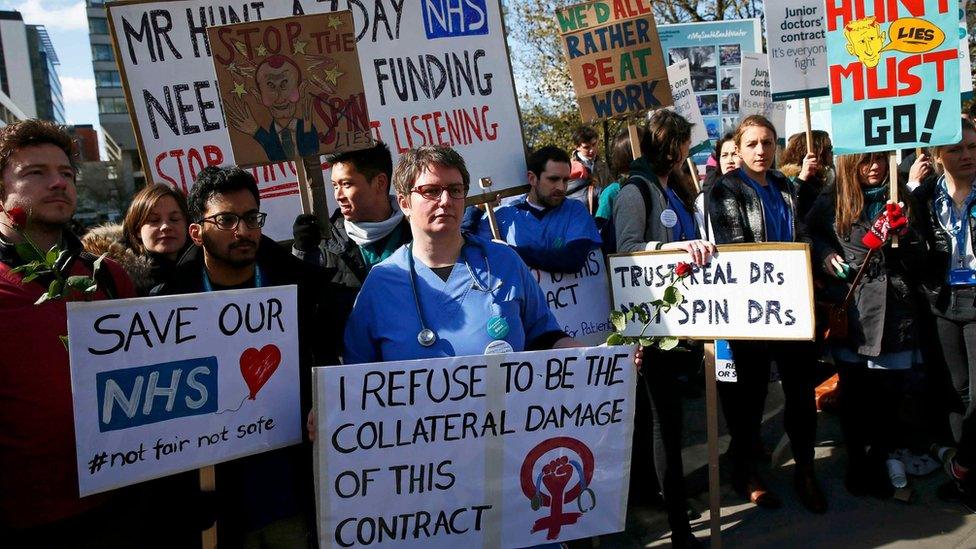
{"x":865,"y":40}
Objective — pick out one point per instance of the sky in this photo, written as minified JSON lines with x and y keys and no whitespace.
{"x":67,"y":24}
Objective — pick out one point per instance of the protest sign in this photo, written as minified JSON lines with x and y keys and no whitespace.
{"x":433,"y":74}
{"x":747,"y":291}
{"x":724,"y":363}
{"x":291,"y":87}
{"x":170,"y":384}
{"x":893,"y":73}
{"x":755,"y":96}
{"x":615,"y":59}
{"x":797,"y":48}
{"x":508,"y":450}
{"x":819,"y":115}
{"x":966,"y":73}
{"x":714,"y":52}
{"x":580,"y":301}
{"x":686,"y":104}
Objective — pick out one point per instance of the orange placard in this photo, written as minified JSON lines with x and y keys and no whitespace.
{"x":291,"y":87}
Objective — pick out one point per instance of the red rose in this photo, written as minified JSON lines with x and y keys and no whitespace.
{"x":682,"y":269}
{"x":18,"y":216}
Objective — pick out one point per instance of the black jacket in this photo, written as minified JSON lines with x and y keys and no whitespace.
{"x":940,"y":243}
{"x":884,"y":315}
{"x":735,"y":210}
{"x":257,"y":490}
{"x":342,"y":254}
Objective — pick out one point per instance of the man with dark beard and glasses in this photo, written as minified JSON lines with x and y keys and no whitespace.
{"x":265,"y":499}
{"x":548,"y":232}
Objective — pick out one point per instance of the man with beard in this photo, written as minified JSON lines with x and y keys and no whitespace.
{"x":549,"y":232}
{"x":265,"y":499}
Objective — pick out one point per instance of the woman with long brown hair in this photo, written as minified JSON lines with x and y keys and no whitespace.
{"x":150,"y":239}
{"x":755,"y":203}
{"x":811,"y":172}
{"x":851,"y":231}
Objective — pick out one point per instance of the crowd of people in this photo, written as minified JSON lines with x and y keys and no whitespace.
{"x":403,"y":270}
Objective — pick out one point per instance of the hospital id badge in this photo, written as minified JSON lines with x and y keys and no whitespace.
{"x":962,"y":277}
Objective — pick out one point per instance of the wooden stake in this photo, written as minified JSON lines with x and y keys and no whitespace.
{"x":694,"y":174}
{"x":806,"y":109}
{"x":303,"y":186}
{"x":711,"y":429}
{"x":634,"y":140}
{"x":485,"y":183}
{"x":208,"y":484}
{"x":893,"y":189}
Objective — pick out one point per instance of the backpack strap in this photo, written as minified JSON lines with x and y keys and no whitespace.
{"x":645,"y":191}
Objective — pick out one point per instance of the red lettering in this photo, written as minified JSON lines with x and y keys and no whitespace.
{"x":913,"y":84}
{"x":213,"y":154}
{"x":940,"y":58}
{"x":852,"y":71}
{"x":222,"y":36}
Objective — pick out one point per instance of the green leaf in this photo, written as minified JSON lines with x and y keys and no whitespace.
{"x":615,"y":339}
{"x":29,"y":278}
{"x":667,"y":343}
{"x":643,"y":315}
{"x":672,"y":296}
{"x":44,"y":297}
{"x":647,"y":341}
{"x":64,"y":341}
{"x":79,"y":282}
{"x":52,"y":256}
{"x":55,"y":288}
{"x":91,"y":289}
{"x":618,"y":320}
{"x":28,"y":252}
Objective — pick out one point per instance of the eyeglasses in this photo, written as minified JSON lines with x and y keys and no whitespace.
{"x":434,"y":192}
{"x":230,"y":221}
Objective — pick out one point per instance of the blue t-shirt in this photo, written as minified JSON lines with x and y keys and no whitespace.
{"x":490,"y":295}
{"x":777,"y":217}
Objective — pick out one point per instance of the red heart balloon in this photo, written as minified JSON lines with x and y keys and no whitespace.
{"x":257,"y":366}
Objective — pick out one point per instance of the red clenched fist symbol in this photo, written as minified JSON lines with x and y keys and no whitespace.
{"x":555,"y":476}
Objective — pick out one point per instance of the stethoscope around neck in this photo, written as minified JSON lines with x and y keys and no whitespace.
{"x":426,"y":336}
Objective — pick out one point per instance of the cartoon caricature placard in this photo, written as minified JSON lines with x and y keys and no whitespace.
{"x":169,"y":384}
{"x":291,"y":87}
{"x":893,"y":73}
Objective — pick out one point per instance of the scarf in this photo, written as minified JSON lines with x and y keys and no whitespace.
{"x":364,"y":233}
{"x":874,"y":200}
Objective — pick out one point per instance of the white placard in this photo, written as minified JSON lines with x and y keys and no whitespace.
{"x":797,"y":47}
{"x":819,"y":116}
{"x":724,"y":363}
{"x":580,"y":301}
{"x":434,"y":73}
{"x":685,"y":102}
{"x":747,"y":291}
{"x":466,"y":451}
{"x":163,"y":385}
{"x":756,"y":98}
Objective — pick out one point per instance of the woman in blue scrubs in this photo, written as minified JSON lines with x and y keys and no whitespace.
{"x":447,"y":293}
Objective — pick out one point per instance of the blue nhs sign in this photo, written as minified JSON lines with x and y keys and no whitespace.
{"x":447,"y":18}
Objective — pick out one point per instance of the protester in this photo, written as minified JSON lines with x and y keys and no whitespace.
{"x":446,"y":293}
{"x":948,"y":210}
{"x":621,"y":155}
{"x":756,"y":204}
{"x":726,"y":159}
{"x":150,"y":239}
{"x":367,"y":226}
{"x":811,"y":172}
{"x":851,"y":228}
{"x":39,"y":501}
{"x":266,"y":498}
{"x":549,"y":232}
{"x":589,"y":173}
{"x":655,"y":211}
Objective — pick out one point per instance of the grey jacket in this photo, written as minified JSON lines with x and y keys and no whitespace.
{"x":634,"y":231}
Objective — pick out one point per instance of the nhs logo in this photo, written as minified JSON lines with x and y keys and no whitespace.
{"x":447,"y":18}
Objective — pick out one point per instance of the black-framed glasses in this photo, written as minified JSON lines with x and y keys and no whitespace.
{"x":230,"y":221}
{"x":434,"y":192}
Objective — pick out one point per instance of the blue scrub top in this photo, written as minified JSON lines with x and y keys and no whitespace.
{"x":519,"y":225}
{"x":777,"y":217}
{"x":466,"y":318}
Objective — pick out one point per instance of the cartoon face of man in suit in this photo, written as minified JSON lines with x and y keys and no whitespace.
{"x":278,"y":80}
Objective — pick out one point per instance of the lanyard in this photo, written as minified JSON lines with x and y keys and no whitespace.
{"x":208,"y":287}
{"x":956,"y":226}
